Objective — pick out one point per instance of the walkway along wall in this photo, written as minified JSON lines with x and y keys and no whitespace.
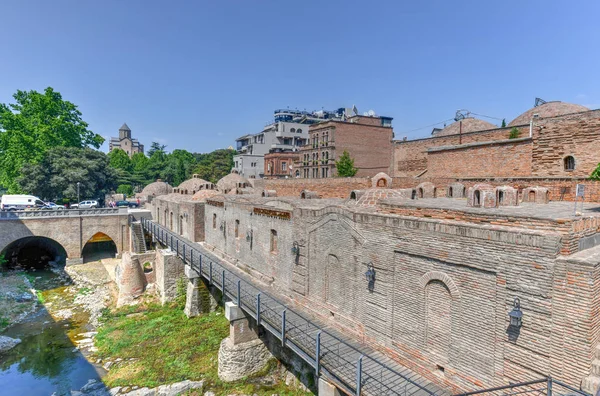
{"x":442,"y":291}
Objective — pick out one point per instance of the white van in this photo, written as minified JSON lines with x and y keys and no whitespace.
{"x":20,"y":202}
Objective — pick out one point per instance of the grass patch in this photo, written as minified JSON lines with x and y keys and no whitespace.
{"x":4,"y":322}
{"x":40,"y":297}
{"x":84,"y":291}
{"x":168,"y":347}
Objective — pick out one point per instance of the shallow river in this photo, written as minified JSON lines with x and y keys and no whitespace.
{"x":47,"y":362}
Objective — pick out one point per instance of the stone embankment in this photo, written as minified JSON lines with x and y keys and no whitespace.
{"x":7,"y":343}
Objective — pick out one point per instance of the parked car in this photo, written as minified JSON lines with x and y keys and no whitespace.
{"x":87,"y":204}
{"x":74,"y":206}
{"x":20,"y":202}
{"x":128,"y":204}
{"x":53,"y":206}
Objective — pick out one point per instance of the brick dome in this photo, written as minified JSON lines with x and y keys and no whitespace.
{"x":372,"y":196}
{"x":549,"y":109}
{"x":231,"y":182}
{"x":194,"y":184}
{"x":156,"y":189}
{"x":469,"y":124}
{"x":203,"y":195}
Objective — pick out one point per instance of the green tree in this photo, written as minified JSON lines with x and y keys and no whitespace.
{"x":126,"y":189}
{"x":34,"y":124}
{"x":214,"y":165}
{"x":56,"y":176}
{"x":514,"y":133}
{"x":503,"y":123}
{"x":119,"y":159}
{"x":155,"y":146}
{"x":345,"y":165}
{"x":141,"y":174}
{"x":157,"y":159}
{"x":178,"y":167}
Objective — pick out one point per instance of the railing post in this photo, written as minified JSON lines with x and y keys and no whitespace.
{"x":258,"y":309}
{"x":317,"y":355}
{"x":239,"y":295}
{"x":171,"y":245}
{"x":200,"y":258}
{"x":359,"y":375}
{"x":192,"y":258}
{"x":223,"y":284}
{"x":210,"y":274}
{"x":283,"y":328}
{"x":177,"y":247}
{"x":184,"y":253}
{"x":549,"y":390}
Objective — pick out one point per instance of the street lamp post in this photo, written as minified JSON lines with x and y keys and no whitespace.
{"x":78,"y":192}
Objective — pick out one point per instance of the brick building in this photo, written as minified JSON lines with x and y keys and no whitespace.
{"x":280,"y":164}
{"x":368,"y":139}
{"x":555,"y":139}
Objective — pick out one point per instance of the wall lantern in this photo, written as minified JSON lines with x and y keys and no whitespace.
{"x":370,"y":275}
{"x":295,"y":248}
{"x":516,"y":315}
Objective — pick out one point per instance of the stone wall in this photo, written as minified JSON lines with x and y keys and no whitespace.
{"x":72,"y":233}
{"x":443,"y":289}
{"x":169,"y":269}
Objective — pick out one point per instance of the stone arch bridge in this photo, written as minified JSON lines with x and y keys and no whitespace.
{"x":65,"y":232}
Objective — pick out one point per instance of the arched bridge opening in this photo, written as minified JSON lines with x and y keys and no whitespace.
{"x":32,"y":253}
{"x":98,"y":247}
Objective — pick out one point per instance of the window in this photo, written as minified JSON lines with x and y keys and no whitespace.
{"x":237,"y":229}
{"x":214,"y":220}
{"x":299,"y":130}
{"x":569,"y":163}
{"x":273,"y":241}
{"x":284,"y":166}
{"x":292,"y":130}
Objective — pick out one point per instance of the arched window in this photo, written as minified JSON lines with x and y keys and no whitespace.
{"x":569,"y":163}
{"x":292,"y":130}
{"x":273,"y":241}
{"x":237,"y":227}
{"x":214,"y":220}
{"x":299,"y":130}
{"x":477,"y":198}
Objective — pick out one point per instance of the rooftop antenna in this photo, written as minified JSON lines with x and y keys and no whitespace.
{"x":461,"y":114}
{"x":539,"y":102}
{"x":354,"y":110}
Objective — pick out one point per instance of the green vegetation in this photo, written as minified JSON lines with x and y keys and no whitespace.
{"x":213,"y":166}
{"x":168,"y":347}
{"x":514,"y":133}
{"x":345,"y":165}
{"x":55,"y":177}
{"x":40,"y":297}
{"x":126,"y":189}
{"x":4,"y":322}
{"x":34,"y":124}
{"x":503,"y":123}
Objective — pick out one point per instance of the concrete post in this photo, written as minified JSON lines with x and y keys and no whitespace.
{"x":241,"y":327}
{"x":327,"y":389}
{"x":198,"y":298}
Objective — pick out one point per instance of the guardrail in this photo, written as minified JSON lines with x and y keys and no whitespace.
{"x":546,"y":386}
{"x":345,"y":365}
{"x":29,"y":214}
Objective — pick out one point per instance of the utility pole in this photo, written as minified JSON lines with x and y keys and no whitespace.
{"x":78,"y":200}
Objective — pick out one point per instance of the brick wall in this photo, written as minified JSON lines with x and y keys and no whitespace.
{"x":577,"y":135}
{"x":507,"y":158}
{"x":325,"y":188}
{"x":561,"y":189}
{"x":410,"y":157}
{"x":476,"y":264}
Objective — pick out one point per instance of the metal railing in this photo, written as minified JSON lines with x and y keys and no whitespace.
{"x":343,"y":364}
{"x":547,"y":386}
{"x":28,"y":214}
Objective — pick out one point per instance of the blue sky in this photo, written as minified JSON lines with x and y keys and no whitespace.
{"x":198,"y":74}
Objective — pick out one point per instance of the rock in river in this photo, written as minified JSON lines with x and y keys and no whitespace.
{"x":7,"y":343}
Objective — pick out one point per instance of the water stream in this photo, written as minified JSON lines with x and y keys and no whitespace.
{"x":47,"y":361}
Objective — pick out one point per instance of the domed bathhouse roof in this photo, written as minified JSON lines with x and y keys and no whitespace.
{"x":203,"y":195}
{"x":469,"y":124}
{"x":369,"y":198}
{"x":156,"y":189}
{"x":194,"y":184}
{"x":231,"y":182}
{"x":548,"y":109}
